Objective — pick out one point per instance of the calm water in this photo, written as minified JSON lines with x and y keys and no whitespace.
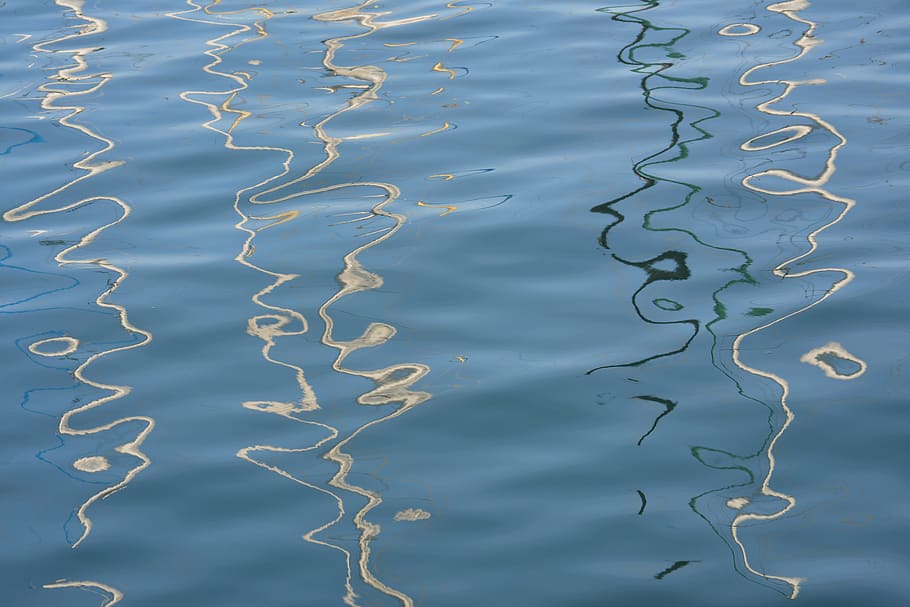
{"x":471,"y":303}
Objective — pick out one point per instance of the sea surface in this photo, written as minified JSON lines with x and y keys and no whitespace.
{"x":542,"y":303}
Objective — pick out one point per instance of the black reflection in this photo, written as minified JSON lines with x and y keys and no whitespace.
{"x":665,"y":264}
{"x":680,"y":271}
{"x":672,"y":568}
{"x":654,"y":78}
{"x":669,"y":405}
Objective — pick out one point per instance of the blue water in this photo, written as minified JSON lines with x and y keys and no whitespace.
{"x":446,"y":303}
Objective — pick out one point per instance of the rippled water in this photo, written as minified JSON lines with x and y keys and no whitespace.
{"x":445,"y":303}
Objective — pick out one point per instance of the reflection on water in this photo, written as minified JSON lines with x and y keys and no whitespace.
{"x":689,"y":126}
{"x":392,"y":384}
{"x":795,"y":185}
{"x":340,"y":227}
{"x":834,"y":360}
{"x":61,"y":96}
{"x":111,"y":595}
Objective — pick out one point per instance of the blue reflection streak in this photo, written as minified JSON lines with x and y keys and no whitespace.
{"x":8,"y":255}
{"x":34,"y":138}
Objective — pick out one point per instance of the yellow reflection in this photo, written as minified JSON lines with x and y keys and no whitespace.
{"x":801,"y":185}
{"x":111,"y":595}
{"x":465,"y":9}
{"x":439,"y":67}
{"x":62,"y":99}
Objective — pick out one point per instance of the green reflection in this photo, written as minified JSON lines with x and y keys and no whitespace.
{"x":652,"y":55}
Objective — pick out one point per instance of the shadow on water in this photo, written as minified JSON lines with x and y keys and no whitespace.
{"x":358,"y":203}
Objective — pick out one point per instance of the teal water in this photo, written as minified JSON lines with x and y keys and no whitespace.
{"x":446,"y":303}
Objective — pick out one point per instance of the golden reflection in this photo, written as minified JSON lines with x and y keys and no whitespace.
{"x":439,"y":67}
{"x":801,"y":185}
{"x":392,"y":383}
{"x":445,"y":127}
{"x":111,"y":595}
{"x":465,"y":9}
{"x":56,"y":99}
{"x":739,"y":29}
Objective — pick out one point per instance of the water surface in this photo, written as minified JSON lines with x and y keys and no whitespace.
{"x":435,"y":303}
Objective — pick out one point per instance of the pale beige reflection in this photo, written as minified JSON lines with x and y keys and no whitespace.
{"x":412,"y":515}
{"x":817,"y":357}
{"x":60,"y":346}
{"x":59,"y":98}
{"x":92,"y":463}
{"x":111,"y":595}
{"x":738,"y":503}
{"x":802,"y":185}
{"x":273,"y":324}
{"x":392,"y":383}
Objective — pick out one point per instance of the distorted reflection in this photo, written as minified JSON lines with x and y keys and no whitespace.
{"x":834,"y":360}
{"x":392,"y":384}
{"x":412,"y":514}
{"x":93,"y":463}
{"x":688,"y":126}
{"x":64,"y":345}
{"x":61,"y":93}
{"x":800,"y":185}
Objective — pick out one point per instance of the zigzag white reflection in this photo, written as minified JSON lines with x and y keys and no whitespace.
{"x":803,"y":185}
{"x":103,"y":589}
{"x":392,"y":382}
{"x":58,"y":99}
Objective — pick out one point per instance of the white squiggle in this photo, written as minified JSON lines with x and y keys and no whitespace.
{"x":92,"y":166}
{"x":111,"y":594}
{"x":814,"y":358}
{"x":803,"y":185}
